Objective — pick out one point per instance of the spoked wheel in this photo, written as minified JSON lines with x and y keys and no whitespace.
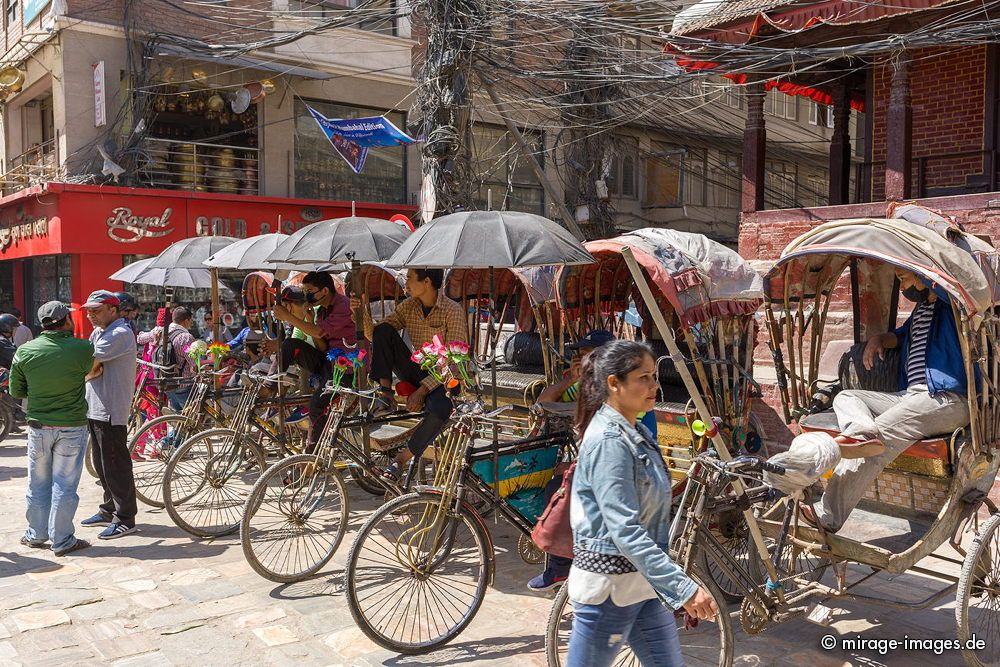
{"x":707,"y":644}
{"x":208,"y":480}
{"x":295,"y":518}
{"x":90,"y":458}
{"x":977,"y":607}
{"x":730,"y":528}
{"x":417,"y":573}
{"x":6,"y":419}
{"x":151,"y":448}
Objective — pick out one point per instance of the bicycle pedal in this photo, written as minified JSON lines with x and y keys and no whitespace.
{"x":820,"y":615}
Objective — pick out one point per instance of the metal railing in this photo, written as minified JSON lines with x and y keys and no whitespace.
{"x":38,"y":164}
{"x":201,"y":167}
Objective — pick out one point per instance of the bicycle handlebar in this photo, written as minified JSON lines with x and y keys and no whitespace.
{"x":753,"y":463}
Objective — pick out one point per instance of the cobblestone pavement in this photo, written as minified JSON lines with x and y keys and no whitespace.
{"x":162,"y":598}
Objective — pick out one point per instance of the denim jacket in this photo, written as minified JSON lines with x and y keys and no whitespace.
{"x":620,"y":504}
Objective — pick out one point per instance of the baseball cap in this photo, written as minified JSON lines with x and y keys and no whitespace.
{"x":52,"y":312}
{"x":593,"y":339}
{"x":101,"y":297}
{"x":293,"y":294}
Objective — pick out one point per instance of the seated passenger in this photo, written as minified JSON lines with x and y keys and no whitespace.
{"x":931,"y":400}
{"x":425,"y":314}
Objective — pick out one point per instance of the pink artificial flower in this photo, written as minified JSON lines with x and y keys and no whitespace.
{"x":458,"y":347}
{"x":417,"y":357}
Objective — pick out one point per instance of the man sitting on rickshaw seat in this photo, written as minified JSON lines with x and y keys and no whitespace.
{"x":931,"y":400}
{"x":425,"y":314}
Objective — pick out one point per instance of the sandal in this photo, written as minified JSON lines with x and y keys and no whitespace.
{"x":861,"y":449}
{"x":393,"y":473}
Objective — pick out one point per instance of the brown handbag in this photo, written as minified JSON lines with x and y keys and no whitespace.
{"x":552,"y":532}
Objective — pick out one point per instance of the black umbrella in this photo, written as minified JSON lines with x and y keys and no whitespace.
{"x":341,"y":240}
{"x":140,"y":273}
{"x":489,"y":239}
{"x":192,"y":254}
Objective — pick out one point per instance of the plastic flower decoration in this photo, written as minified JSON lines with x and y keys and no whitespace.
{"x":197,"y":351}
{"x":349,"y":362}
{"x":219,"y":351}
{"x":448,"y":363}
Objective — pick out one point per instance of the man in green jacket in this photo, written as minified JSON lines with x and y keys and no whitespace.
{"x":51,"y":371}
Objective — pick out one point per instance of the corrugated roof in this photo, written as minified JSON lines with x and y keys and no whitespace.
{"x":713,"y":13}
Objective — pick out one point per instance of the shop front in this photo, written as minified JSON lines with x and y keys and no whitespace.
{"x":61,"y":241}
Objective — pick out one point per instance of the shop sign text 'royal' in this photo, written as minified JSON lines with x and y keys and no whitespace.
{"x":126,"y":227}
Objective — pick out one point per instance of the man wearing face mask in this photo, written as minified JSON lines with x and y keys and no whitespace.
{"x":333,"y":327}
{"x":932,"y":399}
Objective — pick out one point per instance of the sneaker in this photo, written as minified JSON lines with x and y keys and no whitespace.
{"x":79,"y":544}
{"x":97,"y":520}
{"x":383,"y":405}
{"x":116,"y":530}
{"x":547,"y":580}
{"x":34,"y":545}
{"x":297,"y":415}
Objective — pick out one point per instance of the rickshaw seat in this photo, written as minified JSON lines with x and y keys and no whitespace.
{"x":936,"y":448}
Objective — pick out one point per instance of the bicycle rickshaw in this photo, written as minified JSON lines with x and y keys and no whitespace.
{"x":942,"y":498}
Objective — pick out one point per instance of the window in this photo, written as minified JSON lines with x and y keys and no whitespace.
{"x":503,"y":174}
{"x":11,"y":15}
{"x":51,"y":280}
{"x":377,"y":15}
{"x":663,"y":176}
{"x":776,"y":103}
{"x":623,"y":176}
{"x":779,"y":184}
{"x":694,"y":177}
{"x":820,"y":115}
{"x":814,"y":190}
{"x":320,"y":173}
{"x":725,"y":183}
{"x":725,"y":91}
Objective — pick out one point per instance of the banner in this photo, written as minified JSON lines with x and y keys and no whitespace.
{"x":352,"y":137}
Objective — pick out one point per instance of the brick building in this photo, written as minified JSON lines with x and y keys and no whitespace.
{"x":931,"y":117}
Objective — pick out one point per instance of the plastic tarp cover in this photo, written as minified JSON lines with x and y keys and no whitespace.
{"x":809,"y":456}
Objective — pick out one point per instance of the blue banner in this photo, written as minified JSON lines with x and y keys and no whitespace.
{"x":352,"y":137}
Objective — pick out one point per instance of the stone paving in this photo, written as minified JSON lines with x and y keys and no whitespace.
{"x":162,"y":598}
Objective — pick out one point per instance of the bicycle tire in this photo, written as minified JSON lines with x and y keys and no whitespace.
{"x":978,"y":578}
{"x":278,"y":488}
{"x":149,"y":472}
{"x":185,"y":483}
{"x":90,"y":458}
{"x":693,"y":640}
{"x":6,"y":420}
{"x":394,"y":516}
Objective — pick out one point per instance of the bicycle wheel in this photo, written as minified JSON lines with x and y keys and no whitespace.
{"x":6,"y":420}
{"x":416,"y":576}
{"x":730,"y":528}
{"x":294,"y":519}
{"x":707,"y":644}
{"x":208,"y":479}
{"x":90,"y":458}
{"x":365,"y":479}
{"x":151,"y":448}
{"x":977,"y":603}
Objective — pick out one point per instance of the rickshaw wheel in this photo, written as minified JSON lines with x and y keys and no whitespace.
{"x":529,"y":552}
{"x":977,"y":604}
{"x":731,"y":530}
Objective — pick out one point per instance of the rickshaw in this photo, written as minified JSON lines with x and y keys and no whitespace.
{"x":710,"y":295}
{"x":930,"y":497}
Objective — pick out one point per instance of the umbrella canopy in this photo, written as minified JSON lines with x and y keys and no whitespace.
{"x":191,"y":253}
{"x":341,"y":240}
{"x":141,"y":273}
{"x":484,"y":239}
{"x":247,"y":254}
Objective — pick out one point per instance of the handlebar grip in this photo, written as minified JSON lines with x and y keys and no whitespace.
{"x":767,"y":466}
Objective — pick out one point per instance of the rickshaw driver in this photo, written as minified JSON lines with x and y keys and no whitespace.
{"x":933,"y":400}
{"x":426,"y":313}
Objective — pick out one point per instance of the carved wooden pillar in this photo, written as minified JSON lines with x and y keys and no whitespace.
{"x":754,"y":147}
{"x":840,"y":146}
{"x":899,"y":133}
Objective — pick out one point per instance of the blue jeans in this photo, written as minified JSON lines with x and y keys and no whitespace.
{"x":177,"y":399}
{"x":600,"y":631}
{"x":55,"y":461}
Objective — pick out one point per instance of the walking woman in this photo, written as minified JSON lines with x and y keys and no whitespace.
{"x":622,"y":574}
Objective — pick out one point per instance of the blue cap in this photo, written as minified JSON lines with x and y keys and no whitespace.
{"x":594,"y":339}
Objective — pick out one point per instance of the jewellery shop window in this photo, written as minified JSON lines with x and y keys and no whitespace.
{"x":321,"y":173}
{"x":205,"y":139}
{"x":50,"y":281}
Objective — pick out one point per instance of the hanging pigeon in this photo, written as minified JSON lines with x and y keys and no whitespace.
{"x":352,"y":137}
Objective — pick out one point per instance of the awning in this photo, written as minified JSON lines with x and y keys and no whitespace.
{"x":739,"y":21}
{"x":242,"y":61}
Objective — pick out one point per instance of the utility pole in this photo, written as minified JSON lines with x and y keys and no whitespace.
{"x":444,"y":100}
